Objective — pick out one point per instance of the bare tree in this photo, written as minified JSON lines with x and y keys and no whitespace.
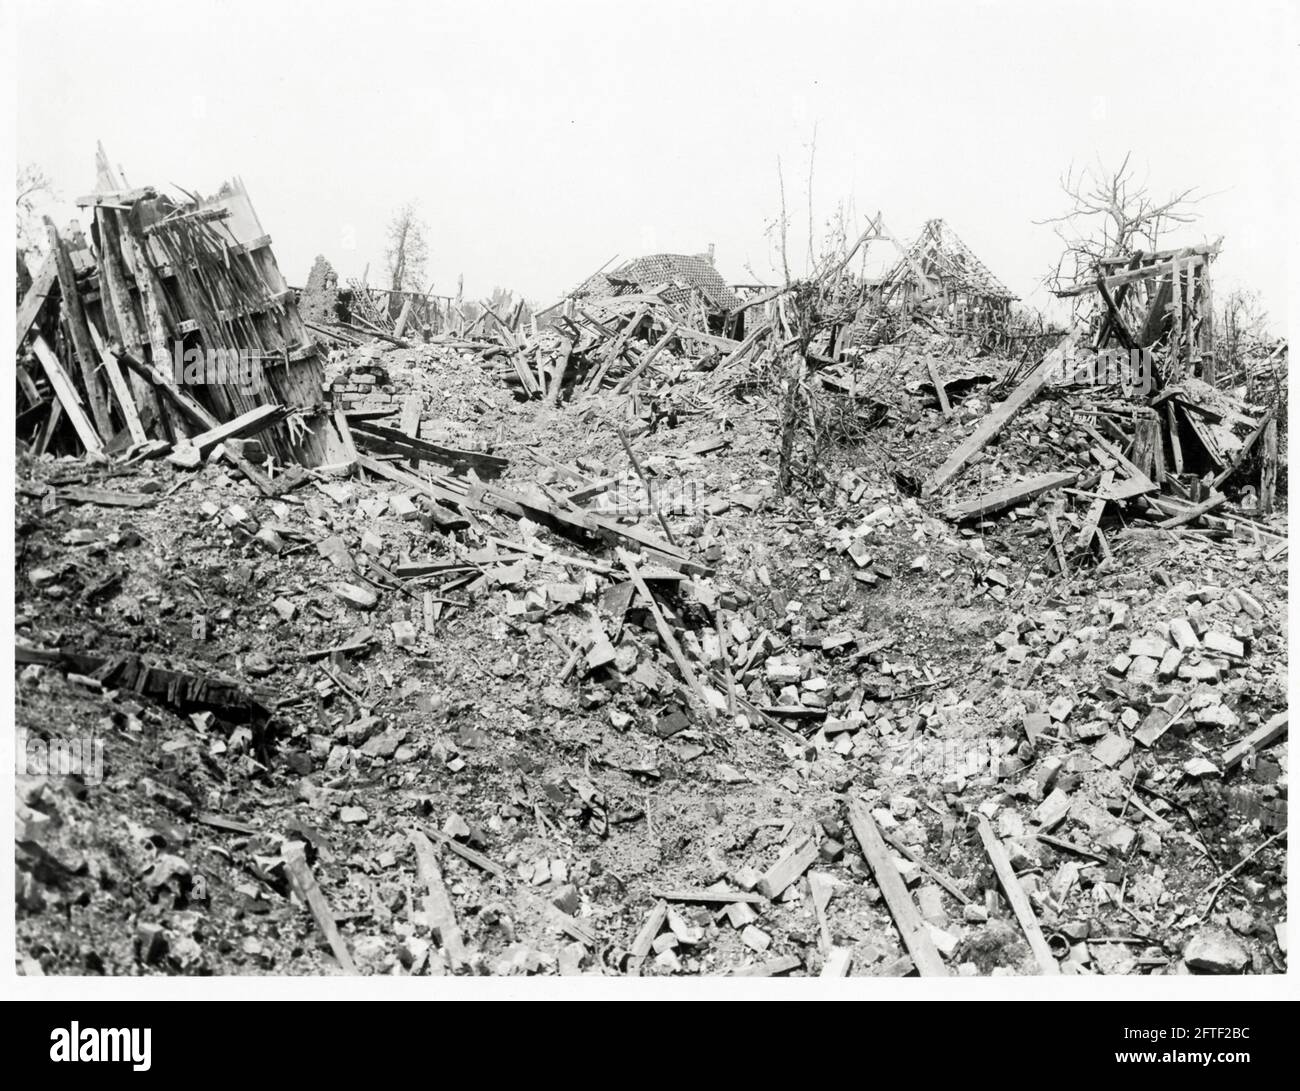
{"x":1111,"y":213}
{"x":32,"y":184}
{"x":408,"y":249}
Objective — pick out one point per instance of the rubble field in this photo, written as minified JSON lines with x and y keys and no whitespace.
{"x":629,"y":643}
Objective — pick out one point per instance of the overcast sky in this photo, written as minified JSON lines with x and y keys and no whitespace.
{"x":542,"y":139}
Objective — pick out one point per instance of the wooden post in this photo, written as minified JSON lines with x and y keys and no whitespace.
{"x":119,"y":311}
{"x":1176,"y":334}
{"x":1146,"y":442}
{"x":80,"y":331}
{"x":1175,"y":444}
{"x":1268,"y":469}
{"x":1210,"y":366}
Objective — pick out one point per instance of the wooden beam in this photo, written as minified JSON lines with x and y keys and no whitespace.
{"x":66,"y":392}
{"x":1008,"y":496}
{"x":431,"y":488}
{"x":246,"y":424}
{"x":391,"y":441}
{"x":410,"y":422}
{"x":1246,"y":447}
{"x":1129,"y":276}
{"x":121,"y":389}
{"x":1141,"y":481}
{"x":907,"y":918}
{"x":1096,"y":511}
{"x":294,"y":854}
{"x":1264,"y":735}
{"x":79,"y":328}
{"x":1213,"y":501}
{"x":944,"y":407}
{"x":666,"y":636}
{"x":1019,"y":900}
{"x":438,"y":909}
{"x":997,"y":418}
{"x":1268,"y":469}
{"x":34,"y":300}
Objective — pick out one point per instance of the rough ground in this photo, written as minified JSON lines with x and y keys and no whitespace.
{"x":943,"y":673}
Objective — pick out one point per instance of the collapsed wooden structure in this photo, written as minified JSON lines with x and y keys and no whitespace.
{"x":1160,"y":301}
{"x":171,"y":322}
{"x":940,"y":275}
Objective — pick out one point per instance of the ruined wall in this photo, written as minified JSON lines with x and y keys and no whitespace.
{"x":386,"y":381}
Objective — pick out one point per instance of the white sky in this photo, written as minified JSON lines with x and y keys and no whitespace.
{"x":542,"y":139}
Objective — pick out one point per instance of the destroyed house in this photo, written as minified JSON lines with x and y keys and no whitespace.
{"x":689,"y":282}
{"x":171,"y":323}
{"x":940,"y":275}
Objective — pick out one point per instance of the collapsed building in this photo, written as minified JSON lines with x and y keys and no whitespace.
{"x":509,"y":652}
{"x":690,"y":282}
{"x":938,"y":274}
{"x":171,"y":324}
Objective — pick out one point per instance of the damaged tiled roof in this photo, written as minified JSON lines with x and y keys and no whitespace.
{"x":681,"y":272}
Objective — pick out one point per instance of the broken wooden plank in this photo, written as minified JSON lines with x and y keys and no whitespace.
{"x":438,"y":909}
{"x":1141,"y":483}
{"x":650,"y":928}
{"x":66,"y":392}
{"x":42,"y":284}
{"x":1268,"y":469}
{"x":1058,"y":546}
{"x":1175,"y":442}
{"x":791,"y":864}
{"x":434,"y":487}
{"x":1246,"y":447}
{"x":665,"y":632}
{"x":709,"y":897}
{"x":194,"y":411}
{"x":1264,"y":735}
{"x":1050,"y":369}
{"x":410,"y":421}
{"x":907,"y":918}
{"x":1019,"y":900}
{"x":241,"y":427}
{"x":1008,"y":496}
{"x":1195,"y":512}
{"x":121,"y":389}
{"x":476,"y":858}
{"x":79,"y":328}
{"x":839,"y":962}
{"x":1095,"y":512}
{"x":177,"y":689}
{"x":107,"y":498}
{"x":294,"y":854}
{"x":944,"y":407}
{"x":392,"y":442}
{"x":938,"y":876}
{"x":773,"y":967}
